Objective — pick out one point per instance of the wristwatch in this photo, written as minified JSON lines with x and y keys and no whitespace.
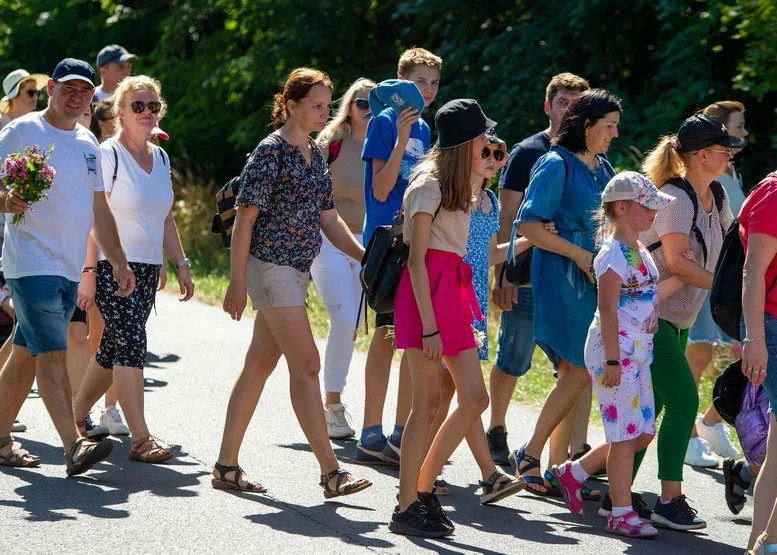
{"x":184,"y":262}
{"x":612,"y":362}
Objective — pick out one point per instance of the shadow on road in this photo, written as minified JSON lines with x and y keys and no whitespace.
{"x":110,"y":483}
{"x":154,"y":361}
{"x":319,"y":521}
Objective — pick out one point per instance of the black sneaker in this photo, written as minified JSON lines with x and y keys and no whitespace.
{"x":637,"y":503}
{"x":497,"y":444}
{"x":418,"y":520}
{"x":432,"y":503}
{"x":93,"y":431}
{"x":677,"y":515}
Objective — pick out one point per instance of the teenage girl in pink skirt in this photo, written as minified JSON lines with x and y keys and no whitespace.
{"x":434,"y":307}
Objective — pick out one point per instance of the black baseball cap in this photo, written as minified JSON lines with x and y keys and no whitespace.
{"x":113,"y":53}
{"x":70,"y":69}
{"x":701,"y":131}
{"x":460,"y":121}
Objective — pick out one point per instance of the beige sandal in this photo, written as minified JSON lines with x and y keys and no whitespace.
{"x":17,"y":457}
{"x":148,"y":450}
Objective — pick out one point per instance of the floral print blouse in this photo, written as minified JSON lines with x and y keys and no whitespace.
{"x":290,"y":195}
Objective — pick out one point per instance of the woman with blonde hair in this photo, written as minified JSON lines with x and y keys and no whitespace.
{"x":709,"y":433}
{"x":138,"y":185}
{"x":21,"y":91}
{"x":335,"y":274}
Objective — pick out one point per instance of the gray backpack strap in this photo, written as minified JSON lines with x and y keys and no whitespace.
{"x":115,"y":164}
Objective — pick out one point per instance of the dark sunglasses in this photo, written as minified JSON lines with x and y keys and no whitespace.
{"x":32,"y":93}
{"x":497,"y":153}
{"x":139,"y":106}
{"x":362,"y":104}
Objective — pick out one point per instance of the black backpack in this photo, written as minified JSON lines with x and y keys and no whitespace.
{"x":224,"y":219}
{"x":718,"y":193}
{"x":726,"y":293}
{"x":728,"y":390}
{"x":384,"y":259}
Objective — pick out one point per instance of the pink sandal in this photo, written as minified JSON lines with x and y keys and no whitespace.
{"x":621,"y":527}
{"x":570,"y":488}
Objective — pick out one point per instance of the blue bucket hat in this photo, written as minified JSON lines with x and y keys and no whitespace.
{"x":397,"y":94}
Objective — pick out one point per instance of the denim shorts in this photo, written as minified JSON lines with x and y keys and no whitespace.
{"x":705,"y":330}
{"x":515,"y":342}
{"x":44,"y":306}
{"x":770,"y":338}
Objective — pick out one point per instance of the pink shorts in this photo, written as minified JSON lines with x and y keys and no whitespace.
{"x":453,"y":300}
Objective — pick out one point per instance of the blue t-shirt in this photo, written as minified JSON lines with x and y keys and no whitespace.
{"x":379,"y":143}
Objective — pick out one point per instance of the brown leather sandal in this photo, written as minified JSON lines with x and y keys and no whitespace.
{"x":17,"y":457}
{"x":341,"y":488}
{"x":234,"y":484}
{"x":148,"y":450}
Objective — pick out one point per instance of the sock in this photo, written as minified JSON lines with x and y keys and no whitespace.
{"x":396,"y":435}
{"x":664,"y":502}
{"x":746,"y":474}
{"x":372,"y":434}
{"x":623,"y":511}
{"x":578,"y":473}
{"x":704,"y":421}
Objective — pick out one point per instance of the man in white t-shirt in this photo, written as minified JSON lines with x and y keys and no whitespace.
{"x":43,"y":259}
{"x":114,"y":64}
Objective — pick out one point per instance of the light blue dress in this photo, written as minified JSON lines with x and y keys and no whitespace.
{"x":564,"y":299}
{"x":482,"y":227}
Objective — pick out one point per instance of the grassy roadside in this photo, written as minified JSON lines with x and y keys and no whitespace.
{"x":532,"y":388}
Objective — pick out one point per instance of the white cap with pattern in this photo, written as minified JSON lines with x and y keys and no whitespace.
{"x":634,"y":186}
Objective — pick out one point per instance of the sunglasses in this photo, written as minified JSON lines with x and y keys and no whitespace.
{"x":497,"y":153}
{"x":362,"y":104}
{"x":32,"y":93}
{"x":727,"y":152}
{"x":139,"y":106}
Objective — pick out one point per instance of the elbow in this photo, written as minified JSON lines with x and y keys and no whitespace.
{"x":379,"y":194}
{"x":676,"y":267}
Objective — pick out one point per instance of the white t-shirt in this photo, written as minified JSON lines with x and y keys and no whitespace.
{"x":638,"y":304}
{"x":51,"y":241}
{"x":140,"y":201}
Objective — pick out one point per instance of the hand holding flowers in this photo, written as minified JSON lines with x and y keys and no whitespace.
{"x":28,"y":176}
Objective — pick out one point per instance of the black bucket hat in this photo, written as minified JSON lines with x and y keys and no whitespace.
{"x":701,"y":131}
{"x":460,"y":121}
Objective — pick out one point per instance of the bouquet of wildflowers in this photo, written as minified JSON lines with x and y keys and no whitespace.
{"x":28,"y":174}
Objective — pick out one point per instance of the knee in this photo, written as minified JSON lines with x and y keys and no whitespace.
{"x":306,"y":365}
{"x":475,"y":401}
{"x":341,"y":318}
{"x":76,"y":334}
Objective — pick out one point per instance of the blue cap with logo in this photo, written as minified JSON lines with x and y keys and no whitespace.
{"x":397,"y":94}
{"x":70,"y":69}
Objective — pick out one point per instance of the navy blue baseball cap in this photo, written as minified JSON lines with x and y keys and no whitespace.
{"x":70,"y":69}
{"x":113,"y":53}
{"x":397,"y":94}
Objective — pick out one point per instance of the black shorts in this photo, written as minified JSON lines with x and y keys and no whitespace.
{"x":384,"y":320}
{"x":78,"y":316}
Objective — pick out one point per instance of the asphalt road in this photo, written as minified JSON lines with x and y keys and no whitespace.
{"x":196,"y":351}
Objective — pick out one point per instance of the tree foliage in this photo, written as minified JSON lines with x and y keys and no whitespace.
{"x":220,"y":61}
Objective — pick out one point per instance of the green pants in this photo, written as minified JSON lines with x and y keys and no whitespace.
{"x":675,"y":392}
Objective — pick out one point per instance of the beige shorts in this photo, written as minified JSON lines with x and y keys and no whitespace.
{"x":272,"y":286}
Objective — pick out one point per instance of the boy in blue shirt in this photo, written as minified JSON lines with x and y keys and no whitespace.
{"x":393,"y":145}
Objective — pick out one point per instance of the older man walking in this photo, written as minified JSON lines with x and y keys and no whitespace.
{"x":43,"y":261}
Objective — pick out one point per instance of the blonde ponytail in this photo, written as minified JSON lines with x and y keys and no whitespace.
{"x":662,"y":162}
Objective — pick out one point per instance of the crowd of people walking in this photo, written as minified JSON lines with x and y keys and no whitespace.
{"x":617,"y":296}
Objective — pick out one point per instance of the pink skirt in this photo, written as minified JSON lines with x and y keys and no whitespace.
{"x":453,"y":300}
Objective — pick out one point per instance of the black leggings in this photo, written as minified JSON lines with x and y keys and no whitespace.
{"x":123,"y":342}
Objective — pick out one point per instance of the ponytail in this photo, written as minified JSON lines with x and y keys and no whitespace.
{"x":663,"y":163}
{"x":278,"y":110}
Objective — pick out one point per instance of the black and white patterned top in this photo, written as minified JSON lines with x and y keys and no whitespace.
{"x":290,"y":195}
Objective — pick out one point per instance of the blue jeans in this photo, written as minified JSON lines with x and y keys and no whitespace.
{"x":770,"y":338}
{"x":44,"y":306}
{"x":515,"y":343}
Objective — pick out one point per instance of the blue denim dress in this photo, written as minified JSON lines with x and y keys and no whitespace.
{"x":564,"y":299}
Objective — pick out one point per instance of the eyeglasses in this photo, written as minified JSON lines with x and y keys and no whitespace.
{"x":362,"y":104}
{"x":727,"y":152}
{"x":497,"y":153}
{"x":139,"y":106}
{"x":32,"y":93}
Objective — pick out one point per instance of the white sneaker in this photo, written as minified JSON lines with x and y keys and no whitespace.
{"x":18,"y":426}
{"x":718,"y":439}
{"x":110,"y":417}
{"x":698,"y":454}
{"x":338,"y":422}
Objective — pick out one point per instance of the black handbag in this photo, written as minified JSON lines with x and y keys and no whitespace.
{"x":518,"y":271}
{"x":728,"y":390}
